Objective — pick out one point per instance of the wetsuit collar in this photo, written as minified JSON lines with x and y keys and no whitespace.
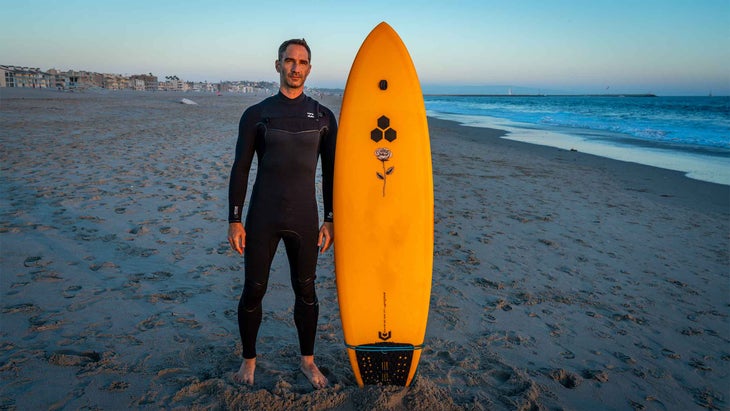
{"x":286,"y":99}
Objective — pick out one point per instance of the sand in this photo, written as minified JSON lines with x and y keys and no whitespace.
{"x":561,"y":280}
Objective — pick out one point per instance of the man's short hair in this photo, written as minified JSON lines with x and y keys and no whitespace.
{"x":300,"y":42}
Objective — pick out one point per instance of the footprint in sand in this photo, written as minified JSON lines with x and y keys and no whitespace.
{"x":568,"y":355}
{"x":625,"y":358}
{"x":108,"y":265}
{"x":137,"y":251}
{"x":598,"y":375}
{"x":44,"y":322}
{"x":155,"y":276}
{"x":21,"y":308}
{"x":708,"y":399}
{"x":691,"y":331}
{"x":566,"y":378}
{"x":169,"y":230}
{"x":168,"y":208}
{"x":32,"y":261}
{"x":231,"y":314}
{"x":484,"y":283}
{"x":70,"y":291}
{"x":74,"y":358}
{"x":670,"y":354}
{"x":700,"y":365}
{"x":521,"y":386}
{"x":171,"y":297}
{"x":116,"y":386}
{"x":500,"y":376}
{"x":151,"y":322}
{"x":189,"y":323}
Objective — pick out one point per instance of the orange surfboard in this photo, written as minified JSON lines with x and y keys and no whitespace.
{"x":383,"y":211}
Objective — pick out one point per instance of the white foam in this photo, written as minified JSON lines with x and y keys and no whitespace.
{"x":713,"y":169}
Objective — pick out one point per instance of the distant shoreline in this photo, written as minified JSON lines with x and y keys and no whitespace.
{"x":335,"y":91}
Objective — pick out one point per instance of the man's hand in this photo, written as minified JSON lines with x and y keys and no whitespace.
{"x":237,"y":237}
{"x":326,"y":236}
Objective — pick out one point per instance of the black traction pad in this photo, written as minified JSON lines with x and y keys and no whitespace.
{"x":384,"y":363}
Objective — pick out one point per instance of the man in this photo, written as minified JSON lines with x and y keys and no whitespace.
{"x":287,"y":132}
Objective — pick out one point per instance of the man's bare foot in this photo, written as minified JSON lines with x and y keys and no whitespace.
{"x":245,"y":373}
{"x":312,"y":372}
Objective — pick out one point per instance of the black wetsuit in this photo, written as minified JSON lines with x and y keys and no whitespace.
{"x":287,"y":136}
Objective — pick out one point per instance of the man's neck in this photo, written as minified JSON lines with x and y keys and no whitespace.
{"x":291,"y":93}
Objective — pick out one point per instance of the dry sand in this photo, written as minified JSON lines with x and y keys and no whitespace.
{"x":561,"y":280}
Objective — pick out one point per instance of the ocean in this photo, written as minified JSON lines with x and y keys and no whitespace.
{"x":687,"y":134}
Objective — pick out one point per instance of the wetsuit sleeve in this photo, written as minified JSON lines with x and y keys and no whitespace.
{"x":245,"y":148}
{"x":328,"y":165}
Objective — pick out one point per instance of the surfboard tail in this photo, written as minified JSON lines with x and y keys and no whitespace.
{"x":384,"y":363}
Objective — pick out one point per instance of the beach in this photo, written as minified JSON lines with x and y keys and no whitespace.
{"x":561,"y":280}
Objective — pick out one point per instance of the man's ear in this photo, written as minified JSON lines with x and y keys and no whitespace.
{"x":277,"y":65}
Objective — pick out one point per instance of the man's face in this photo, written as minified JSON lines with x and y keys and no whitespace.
{"x":294,"y":66}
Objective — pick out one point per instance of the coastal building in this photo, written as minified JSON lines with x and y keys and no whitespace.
{"x":59,"y":79}
{"x":115,"y":82}
{"x":248,"y":87}
{"x":72,"y":80}
{"x":75,"y":80}
{"x":173,"y":83}
{"x":202,"y":87}
{"x":136,"y":84}
{"x":15,"y":76}
{"x":148,"y":82}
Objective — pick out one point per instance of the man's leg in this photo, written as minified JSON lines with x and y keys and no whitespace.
{"x":257,"y":265}
{"x":302,"y":254}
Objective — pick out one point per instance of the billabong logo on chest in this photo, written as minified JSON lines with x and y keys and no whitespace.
{"x":310,"y":115}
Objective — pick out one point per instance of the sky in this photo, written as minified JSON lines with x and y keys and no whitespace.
{"x":665,"y":47}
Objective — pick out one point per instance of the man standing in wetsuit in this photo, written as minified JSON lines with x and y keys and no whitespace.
{"x":287,"y":132}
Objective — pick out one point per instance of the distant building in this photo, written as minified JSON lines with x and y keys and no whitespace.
{"x":115,"y":82}
{"x":149,"y":82}
{"x":76,"y":80}
{"x":173,"y":83}
{"x":136,"y":84}
{"x":203,"y":87}
{"x":59,"y":79}
{"x":14,"y":76}
{"x":84,"y":79}
{"x":248,"y":87}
